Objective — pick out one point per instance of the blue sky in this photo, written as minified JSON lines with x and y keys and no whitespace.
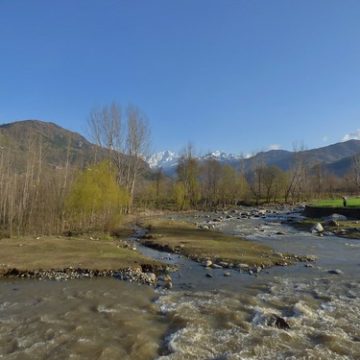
{"x":235,"y":75}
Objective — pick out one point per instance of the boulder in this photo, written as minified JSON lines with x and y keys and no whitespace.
{"x":279,"y":322}
{"x":317,"y":228}
{"x":336,"y":217}
{"x":151,"y":277}
{"x":331,"y":222}
{"x":168,"y":282}
{"x":208,"y":263}
{"x":335,"y":272}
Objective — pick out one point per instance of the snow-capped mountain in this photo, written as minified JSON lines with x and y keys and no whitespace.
{"x":168,"y":160}
{"x":163,"y":159}
{"x":220,"y":156}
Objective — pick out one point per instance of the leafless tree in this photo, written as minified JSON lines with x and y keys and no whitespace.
{"x":137,"y":147}
{"x":127,"y":143}
{"x":297,"y":175}
{"x":356,"y":171}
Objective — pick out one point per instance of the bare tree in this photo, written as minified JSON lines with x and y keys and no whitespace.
{"x":188,"y":172}
{"x":211,"y":176}
{"x":127,"y":145}
{"x":297,"y":175}
{"x":356,"y":171}
{"x":137,"y":147}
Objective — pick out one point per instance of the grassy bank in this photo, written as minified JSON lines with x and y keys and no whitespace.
{"x":202,"y":245}
{"x":102,"y":253}
{"x":333,"y":203}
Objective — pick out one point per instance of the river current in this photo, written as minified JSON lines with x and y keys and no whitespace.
{"x":200,"y":318}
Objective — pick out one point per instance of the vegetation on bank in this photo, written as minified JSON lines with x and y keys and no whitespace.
{"x":209,"y":184}
{"x":201,"y":245}
{"x":38,"y":197}
{"x":351,"y":202}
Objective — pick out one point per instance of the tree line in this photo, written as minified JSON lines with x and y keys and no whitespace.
{"x":38,"y":198}
{"x":210,"y":184}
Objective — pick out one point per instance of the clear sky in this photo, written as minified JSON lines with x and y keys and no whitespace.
{"x":234,"y":75}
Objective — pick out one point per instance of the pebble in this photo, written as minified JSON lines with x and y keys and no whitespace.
{"x":224,"y":264}
{"x":216,"y":266}
{"x":243,"y":266}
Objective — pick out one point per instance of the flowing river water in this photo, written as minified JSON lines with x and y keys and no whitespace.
{"x":200,"y":318}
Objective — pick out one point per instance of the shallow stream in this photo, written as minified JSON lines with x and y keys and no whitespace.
{"x":201,"y":317}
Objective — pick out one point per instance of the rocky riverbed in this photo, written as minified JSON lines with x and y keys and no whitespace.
{"x":130,"y":274}
{"x":304,"y":311}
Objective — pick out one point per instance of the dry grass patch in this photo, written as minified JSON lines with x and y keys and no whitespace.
{"x":58,"y":252}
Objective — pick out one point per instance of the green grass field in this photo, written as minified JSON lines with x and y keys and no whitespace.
{"x":351,"y":202}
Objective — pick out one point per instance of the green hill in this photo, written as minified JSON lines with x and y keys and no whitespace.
{"x":57,"y":144}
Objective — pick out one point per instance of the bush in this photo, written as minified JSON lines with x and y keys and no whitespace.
{"x":96,"y":200}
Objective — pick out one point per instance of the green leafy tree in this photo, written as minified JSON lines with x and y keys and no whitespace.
{"x":96,"y":199}
{"x":181,"y":200}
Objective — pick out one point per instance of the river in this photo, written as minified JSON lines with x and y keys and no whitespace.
{"x":200,"y":318}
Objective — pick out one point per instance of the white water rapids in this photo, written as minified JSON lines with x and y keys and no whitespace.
{"x":201,"y":318}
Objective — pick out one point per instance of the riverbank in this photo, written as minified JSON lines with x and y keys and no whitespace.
{"x":300,"y":311}
{"x":330,"y":226}
{"x":211,"y":248}
{"x":74,"y":257}
{"x":124,"y":255}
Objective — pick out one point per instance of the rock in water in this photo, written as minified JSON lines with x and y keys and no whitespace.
{"x":317,"y":228}
{"x":151,"y":277}
{"x":335,"y":272}
{"x":224,"y":264}
{"x":331,"y":222}
{"x":216,"y":266}
{"x":336,"y":217}
{"x":168,"y":282}
{"x":281,"y":323}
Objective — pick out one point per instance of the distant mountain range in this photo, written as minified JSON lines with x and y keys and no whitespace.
{"x":58,"y":142}
{"x":336,"y":158}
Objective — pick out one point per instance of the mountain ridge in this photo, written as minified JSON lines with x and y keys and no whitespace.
{"x":335,"y":157}
{"x":61,"y":144}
